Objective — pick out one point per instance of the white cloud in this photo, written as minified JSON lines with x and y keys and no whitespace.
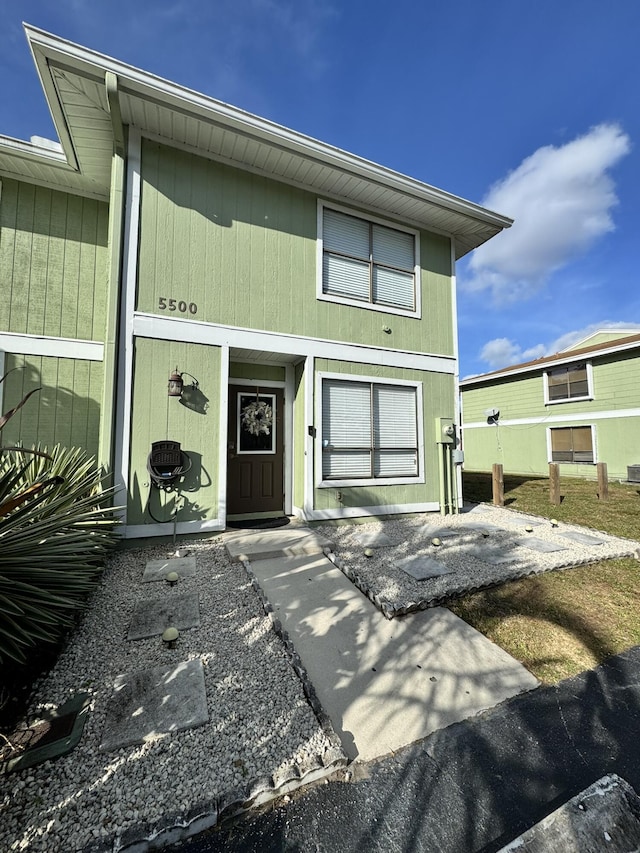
{"x":502,"y":352}
{"x":561,"y":200}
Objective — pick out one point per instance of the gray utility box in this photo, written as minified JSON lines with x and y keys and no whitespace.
{"x":633,"y":473}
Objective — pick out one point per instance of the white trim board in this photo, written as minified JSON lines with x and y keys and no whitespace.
{"x":557,"y":419}
{"x":127,"y":304}
{"x":137,"y":531}
{"x":198,"y":332}
{"x":51,"y":347}
{"x":371,"y":511}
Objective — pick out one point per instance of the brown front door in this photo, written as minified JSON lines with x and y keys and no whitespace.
{"x":255,"y":450}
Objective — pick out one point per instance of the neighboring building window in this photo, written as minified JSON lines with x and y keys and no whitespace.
{"x":368,"y":262}
{"x":369,"y":430}
{"x":572,"y":444}
{"x":568,"y":383}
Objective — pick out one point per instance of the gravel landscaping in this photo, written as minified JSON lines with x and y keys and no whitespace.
{"x":480,"y":548}
{"x":262,"y":737}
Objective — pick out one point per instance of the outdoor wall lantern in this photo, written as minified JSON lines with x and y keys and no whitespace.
{"x":177,"y":385}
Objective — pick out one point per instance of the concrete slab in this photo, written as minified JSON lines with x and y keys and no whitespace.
{"x":153,"y":702}
{"x":157,"y":570}
{"x":421,"y":568}
{"x":384,"y":684}
{"x":265,"y":544}
{"x":373,"y":540}
{"x":492,"y":555}
{"x":484,"y":527}
{"x":541,"y":545}
{"x":581,"y":538}
{"x":152,"y":616}
{"x":605,"y":816}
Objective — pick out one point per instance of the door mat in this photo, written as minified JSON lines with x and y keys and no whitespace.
{"x":55,"y":734}
{"x":259,"y":523}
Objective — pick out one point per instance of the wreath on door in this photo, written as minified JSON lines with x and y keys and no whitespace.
{"x":257,"y":418}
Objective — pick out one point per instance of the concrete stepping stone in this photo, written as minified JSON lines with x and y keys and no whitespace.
{"x":541,"y":545}
{"x":152,"y":616}
{"x":422,"y":568}
{"x":153,"y":702}
{"x":157,"y":570}
{"x":444,"y":532}
{"x":267,"y":544}
{"x":482,"y":527}
{"x":582,"y":538}
{"x":373,"y":540}
{"x":492,"y":555}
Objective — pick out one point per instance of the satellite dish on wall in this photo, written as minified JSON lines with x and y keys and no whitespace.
{"x":492,"y":415}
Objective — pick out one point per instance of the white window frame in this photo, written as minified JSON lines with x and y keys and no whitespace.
{"x":369,"y":481}
{"x":594,"y":445}
{"x":588,"y":396}
{"x":358,"y":303}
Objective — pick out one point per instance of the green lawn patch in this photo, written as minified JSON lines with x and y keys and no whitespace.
{"x":561,"y":623}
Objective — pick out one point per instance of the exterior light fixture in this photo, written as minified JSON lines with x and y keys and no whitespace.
{"x":172,"y":578}
{"x":170,"y":637}
{"x":368,"y":552}
{"x":435,"y":541}
{"x":529,"y":528}
{"x":175,"y":384}
{"x":554,"y":522}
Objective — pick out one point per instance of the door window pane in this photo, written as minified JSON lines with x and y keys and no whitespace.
{"x":256,"y":423}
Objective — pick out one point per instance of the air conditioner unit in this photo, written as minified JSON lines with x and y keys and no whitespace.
{"x":633,"y":473}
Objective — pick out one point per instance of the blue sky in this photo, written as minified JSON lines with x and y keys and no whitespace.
{"x":529,"y":108}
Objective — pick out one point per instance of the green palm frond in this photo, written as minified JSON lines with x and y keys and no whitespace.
{"x":53,"y":543}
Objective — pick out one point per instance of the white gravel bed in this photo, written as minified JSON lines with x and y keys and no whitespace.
{"x":261,"y":731}
{"x":396,"y":593}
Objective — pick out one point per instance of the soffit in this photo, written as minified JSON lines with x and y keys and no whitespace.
{"x":73,"y":79}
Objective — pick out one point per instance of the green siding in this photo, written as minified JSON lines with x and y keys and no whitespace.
{"x":53,"y":262}
{"x":156,"y":417}
{"x":243,"y":249}
{"x":65,"y":411}
{"x":259,"y":372}
{"x":438,"y":396}
{"x":522,"y":448}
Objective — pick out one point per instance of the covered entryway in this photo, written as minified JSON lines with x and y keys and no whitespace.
{"x":255,"y":445}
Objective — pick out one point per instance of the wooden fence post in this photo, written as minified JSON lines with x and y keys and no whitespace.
{"x":554,"y":483}
{"x":603,"y":481}
{"x":497,"y":481}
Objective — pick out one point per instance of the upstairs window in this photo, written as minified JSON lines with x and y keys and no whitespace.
{"x":571,"y":444}
{"x":367,"y":262}
{"x":369,"y":431}
{"x":569,"y":383}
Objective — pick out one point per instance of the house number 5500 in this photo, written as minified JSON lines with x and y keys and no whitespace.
{"x":165,"y":304}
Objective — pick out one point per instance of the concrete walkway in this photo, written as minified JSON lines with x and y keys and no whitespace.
{"x":384,"y":684}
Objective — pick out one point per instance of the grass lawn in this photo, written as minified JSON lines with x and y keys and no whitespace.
{"x":563,"y":622}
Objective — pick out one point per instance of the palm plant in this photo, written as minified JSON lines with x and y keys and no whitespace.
{"x":56,"y":528}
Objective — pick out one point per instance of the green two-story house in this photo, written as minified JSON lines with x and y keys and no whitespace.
{"x":178,"y":270}
{"x":577,"y":407}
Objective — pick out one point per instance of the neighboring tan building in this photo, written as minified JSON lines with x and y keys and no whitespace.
{"x":304,"y":298}
{"x":577,"y":407}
